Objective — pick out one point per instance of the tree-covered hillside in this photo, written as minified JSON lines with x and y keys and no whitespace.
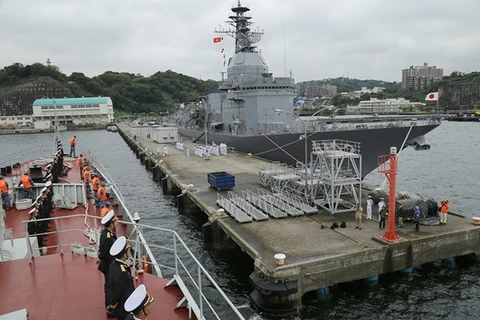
{"x":129,"y":92}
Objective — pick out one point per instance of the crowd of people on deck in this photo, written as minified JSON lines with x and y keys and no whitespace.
{"x":122,"y":300}
{"x":42,"y":205}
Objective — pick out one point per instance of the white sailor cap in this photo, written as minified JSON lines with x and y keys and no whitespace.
{"x":48,"y":183}
{"x":49,"y":165}
{"x":48,"y":176}
{"x":138,"y":299}
{"x":369,"y":196}
{"x":33,"y":211}
{"x":118,"y":246}
{"x":108,"y":217}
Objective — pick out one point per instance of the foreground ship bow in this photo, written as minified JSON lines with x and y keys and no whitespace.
{"x":49,"y":235}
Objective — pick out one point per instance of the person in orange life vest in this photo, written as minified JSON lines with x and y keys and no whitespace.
{"x":102,"y":195}
{"x":87,"y":178}
{"x":95,"y":185}
{"x":4,"y":192}
{"x":85,"y":168}
{"x":105,"y":209}
{"x":80,"y":162}
{"x":73,"y":143}
{"x":27,"y":183}
{"x":444,"y":211}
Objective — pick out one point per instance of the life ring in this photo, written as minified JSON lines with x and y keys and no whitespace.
{"x":145,"y":265}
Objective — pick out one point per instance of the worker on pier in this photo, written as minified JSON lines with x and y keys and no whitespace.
{"x":383,"y":217}
{"x":358,"y":216}
{"x":444,"y":207}
{"x":381,"y":204}
{"x":416,"y":217}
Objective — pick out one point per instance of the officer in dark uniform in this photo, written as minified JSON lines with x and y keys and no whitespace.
{"x":107,"y":238}
{"x":139,"y":304}
{"x":119,"y":279}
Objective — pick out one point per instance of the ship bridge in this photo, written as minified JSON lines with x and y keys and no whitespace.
{"x":246,"y":64}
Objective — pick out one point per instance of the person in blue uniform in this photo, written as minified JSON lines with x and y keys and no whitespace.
{"x":416,"y":217}
{"x":139,"y":304}
{"x":107,"y":239}
{"x":119,"y":279}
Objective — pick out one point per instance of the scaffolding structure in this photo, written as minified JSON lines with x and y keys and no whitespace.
{"x":336,"y":167}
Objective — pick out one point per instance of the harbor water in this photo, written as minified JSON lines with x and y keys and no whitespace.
{"x":447,"y":171}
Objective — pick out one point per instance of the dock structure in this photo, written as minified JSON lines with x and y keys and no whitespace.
{"x":316,"y":256}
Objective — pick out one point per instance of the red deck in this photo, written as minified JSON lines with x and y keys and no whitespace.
{"x":68,"y":286}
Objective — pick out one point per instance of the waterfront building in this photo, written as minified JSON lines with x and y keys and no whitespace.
{"x":387,"y":106}
{"x":72,"y":111}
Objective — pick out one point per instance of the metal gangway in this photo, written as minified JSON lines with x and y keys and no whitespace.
{"x":295,"y":201}
{"x":270,"y":170}
{"x":279,"y":203}
{"x":234,"y":211}
{"x":337,"y":166}
{"x":263,"y":205}
{"x":247,"y":207}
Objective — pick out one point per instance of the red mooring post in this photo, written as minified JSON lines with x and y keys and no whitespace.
{"x":391,"y":173}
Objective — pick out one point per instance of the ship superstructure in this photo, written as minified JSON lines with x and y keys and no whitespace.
{"x":243,"y":105}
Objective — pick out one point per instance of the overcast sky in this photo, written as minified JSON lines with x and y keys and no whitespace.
{"x":365,"y":39}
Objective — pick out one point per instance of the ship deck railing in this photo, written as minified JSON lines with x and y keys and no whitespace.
{"x":179,"y":264}
{"x":347,"y":124}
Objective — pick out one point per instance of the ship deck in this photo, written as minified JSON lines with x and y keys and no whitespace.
{"x":66,"y":285}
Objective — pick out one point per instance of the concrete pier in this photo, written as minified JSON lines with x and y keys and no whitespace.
{"x":316,"y":256}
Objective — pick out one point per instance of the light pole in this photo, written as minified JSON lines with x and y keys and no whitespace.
{"x":304,"y":139}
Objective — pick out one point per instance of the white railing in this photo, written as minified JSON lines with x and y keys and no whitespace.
{"x":178,"y":261}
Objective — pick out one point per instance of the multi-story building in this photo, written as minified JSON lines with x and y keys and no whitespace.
{"x":419,"y":77}
{"x":325,"y":90}
{"x":396,"y":106}
{"x":72,"y":111}
{"x":364,"y":90}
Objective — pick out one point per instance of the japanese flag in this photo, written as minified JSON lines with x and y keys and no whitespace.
{"x":432,"y":96}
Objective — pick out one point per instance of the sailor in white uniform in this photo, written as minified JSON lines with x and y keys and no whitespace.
{"x":369,"y":207}
{"x":139,"y":304}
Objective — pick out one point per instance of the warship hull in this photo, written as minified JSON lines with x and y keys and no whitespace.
{"x":289,"y":148}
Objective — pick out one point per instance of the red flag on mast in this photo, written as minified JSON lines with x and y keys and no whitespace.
{"x":217,"y":39}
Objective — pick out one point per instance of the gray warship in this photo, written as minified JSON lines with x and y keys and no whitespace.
{"x":253,"y":112}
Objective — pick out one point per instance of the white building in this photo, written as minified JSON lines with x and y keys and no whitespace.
{"x":72,"y":111}
{"x":16,"y":122}
{"x":374,"y":105}
{"x":359,"y":93}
